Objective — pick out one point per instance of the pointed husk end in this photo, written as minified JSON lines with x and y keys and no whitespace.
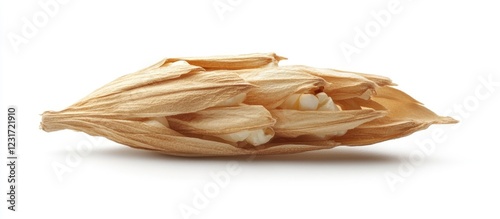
{"x":49,"y":122}
{"x":446,"y":120}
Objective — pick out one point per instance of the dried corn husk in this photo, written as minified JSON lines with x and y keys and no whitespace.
{"x":273,"y":85}
{"x":320,"y":122}
{"x":237,"y":105}
{"x":405,"y":116}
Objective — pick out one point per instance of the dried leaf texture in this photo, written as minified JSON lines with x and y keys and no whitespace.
{"x":248,"y":61}
{"x":273,"y":85}
{"x":320,"y":122}
{"x":405,"y":116}
{"x":222,"y":120}
{"x":162,"y":91}
{"x":189,"y":107}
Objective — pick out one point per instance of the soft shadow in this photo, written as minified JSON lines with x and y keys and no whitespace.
{"x":335,"y":155}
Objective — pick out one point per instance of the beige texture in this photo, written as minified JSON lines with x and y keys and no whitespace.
{"x":196,"y":106}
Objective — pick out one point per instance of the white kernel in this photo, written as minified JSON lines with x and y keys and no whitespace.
{"x":328,"y":106}
{"x":322,"y":98}
{"x":258,"y":137}
{"x":235,"y":137}
{"x":308,"y":102}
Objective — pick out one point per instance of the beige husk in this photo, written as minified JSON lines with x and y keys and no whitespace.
{"x":180,"y":105}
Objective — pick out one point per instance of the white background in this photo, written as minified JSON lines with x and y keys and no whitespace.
{"x":437,"y":51}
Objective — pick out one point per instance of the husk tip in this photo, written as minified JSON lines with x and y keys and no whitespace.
{"x":47,"y":121}
{"x":447,"y":120}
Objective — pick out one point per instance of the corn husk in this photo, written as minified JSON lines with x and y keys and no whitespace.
{"x":182,"y":107}
{"x":320,"y":123}
{"x":273,"y":85}
{"x":405,"y":116}
{"x":222,"y":120}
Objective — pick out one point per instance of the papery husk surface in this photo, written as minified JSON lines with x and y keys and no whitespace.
{"x":171,"y":106}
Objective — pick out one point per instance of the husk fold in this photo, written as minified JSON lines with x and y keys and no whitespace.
{"x":172,"y":106}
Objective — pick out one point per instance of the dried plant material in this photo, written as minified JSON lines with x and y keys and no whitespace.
{"x":242,"y":105}
{"x":405,"y":116}
{"x":250,"y":124}
{"x":274,"y":85}
{"x":237,"y":62}
{"x":159,"y":91}
{"x":320,"y":124}
{"x":341,"y":85}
